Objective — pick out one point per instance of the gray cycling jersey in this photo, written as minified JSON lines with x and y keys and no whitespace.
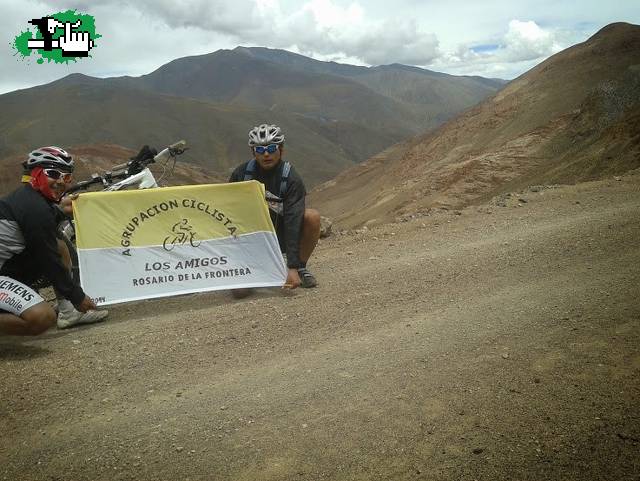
{"x":11,"y":240}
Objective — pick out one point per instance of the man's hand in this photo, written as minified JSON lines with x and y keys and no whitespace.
{"x":86,"y":305}
{"x":66,"y":204}
{"x":293,"y":279}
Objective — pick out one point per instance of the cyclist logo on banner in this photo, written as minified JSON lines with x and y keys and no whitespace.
{"x":181,"y":233}
{"x":60,"y":37}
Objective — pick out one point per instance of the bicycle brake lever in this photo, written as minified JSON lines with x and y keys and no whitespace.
{"x":178,"y":148}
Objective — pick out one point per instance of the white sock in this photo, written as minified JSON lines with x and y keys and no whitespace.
{"x":65,"y":306}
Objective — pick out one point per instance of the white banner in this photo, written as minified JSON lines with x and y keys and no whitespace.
{"x":159,"y":242}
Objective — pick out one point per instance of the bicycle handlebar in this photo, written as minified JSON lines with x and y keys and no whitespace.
{"x":172,"y":151}
{"x":122,"y":171}
{"x":103,"y":179}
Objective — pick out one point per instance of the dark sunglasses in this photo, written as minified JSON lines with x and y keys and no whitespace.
{"x":56,"y":174}
{"x":261,"y":149}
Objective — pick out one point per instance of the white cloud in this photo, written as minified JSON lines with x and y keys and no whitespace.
{"x":132,"y":43}
{"x":522,"y":46}
{"x":527,"y":41}
{"x":328,"y":15}
{"x":141,"y":35}
{"x":323,"y":28}
{"x":317,"y":27}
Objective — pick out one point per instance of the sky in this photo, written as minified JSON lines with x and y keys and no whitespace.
{"x":490,"y":38}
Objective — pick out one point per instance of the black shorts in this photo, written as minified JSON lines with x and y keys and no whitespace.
{"x":23,"y":268}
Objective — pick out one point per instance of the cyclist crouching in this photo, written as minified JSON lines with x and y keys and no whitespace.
{"x":297,"y":227}
{"x":29,"y":250}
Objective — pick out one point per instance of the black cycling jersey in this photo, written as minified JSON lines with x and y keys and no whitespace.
{"x":289,"y":225}
{"x":28,"y":245}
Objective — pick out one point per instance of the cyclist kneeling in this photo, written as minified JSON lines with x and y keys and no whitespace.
{"x":29,"y":249}
{"x":297,"y":227}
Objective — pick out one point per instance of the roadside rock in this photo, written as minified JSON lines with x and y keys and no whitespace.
{"x":325,"y":227}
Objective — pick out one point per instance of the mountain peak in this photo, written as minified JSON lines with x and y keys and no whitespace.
{"x":617,"y":28}
{"x":75,"y":79}
{"x":614,"y":38}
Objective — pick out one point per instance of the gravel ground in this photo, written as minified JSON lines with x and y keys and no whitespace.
{"x":498,"y":342}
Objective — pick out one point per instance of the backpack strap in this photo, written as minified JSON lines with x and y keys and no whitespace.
{"x":250,"y":170}
{"x":286,"y":170}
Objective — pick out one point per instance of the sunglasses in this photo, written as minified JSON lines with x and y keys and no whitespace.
{"x":261,"y":149}
{"x":56,"y":174}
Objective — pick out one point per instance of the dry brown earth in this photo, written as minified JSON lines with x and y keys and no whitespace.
{"x":497,"y":342}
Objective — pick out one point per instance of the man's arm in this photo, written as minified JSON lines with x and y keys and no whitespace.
{"x":294,"y":205}
{"x":39,"y":230}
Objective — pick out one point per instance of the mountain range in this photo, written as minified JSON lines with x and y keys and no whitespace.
{"x":334,"y":115}
{"x":574,"y":117}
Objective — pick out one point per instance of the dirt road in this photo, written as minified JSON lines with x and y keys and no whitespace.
{"x":500,"y":342}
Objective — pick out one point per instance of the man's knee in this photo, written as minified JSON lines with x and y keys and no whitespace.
{"x":312,"y":217}
{"x":39,"y":318}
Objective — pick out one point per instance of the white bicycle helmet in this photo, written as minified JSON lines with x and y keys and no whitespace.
{"x":50,"y":157}
{"x":265,"y":134}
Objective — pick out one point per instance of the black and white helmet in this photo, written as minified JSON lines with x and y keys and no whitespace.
{"x":265,"y":134}
{"x":50,"y":157}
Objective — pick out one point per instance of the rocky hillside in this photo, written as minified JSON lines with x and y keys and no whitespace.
{"x":332,"y":121}
{"x":574,"y":117}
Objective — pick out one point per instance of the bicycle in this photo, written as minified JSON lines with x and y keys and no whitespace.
{"x":134,"y":173}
